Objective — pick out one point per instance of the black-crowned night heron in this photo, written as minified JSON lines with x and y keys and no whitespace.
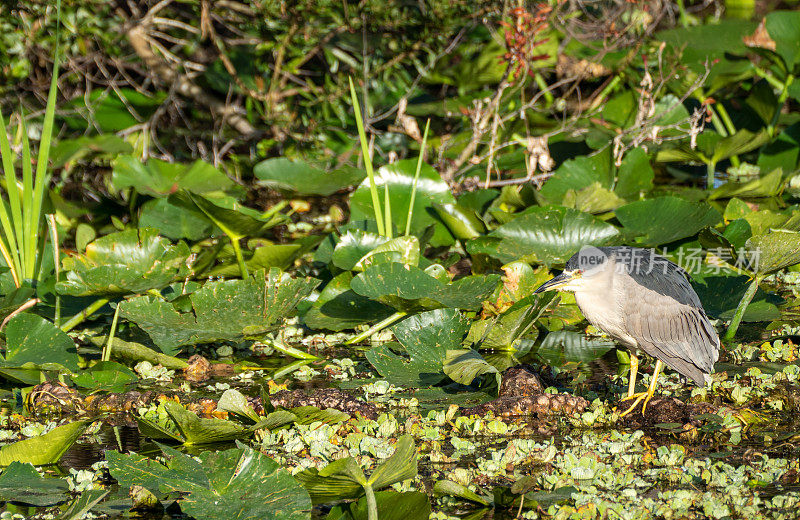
{"x":645,"y":302}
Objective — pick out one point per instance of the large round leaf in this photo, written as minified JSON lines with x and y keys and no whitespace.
{"x":399,"y":177}
{"x":784,"y":28}
{"x":665,"y":219}
{"x":352,"y":247}
{"x":173,"y":221}
{"x":131,"y":261}
{"x":44,"y":449}
{"x":773,"y":251}
{"x":408,"y":288}
{"x":299,"y":178}
{"x":235,"y":484}
{"x":426,"y":338}
{"x":227,"y":310}
{"x":33,"y":339}
{"x":576,"y":174}
{"x":338,"y":307}
{"x":232,"y":218}
{"x":549,"y":235}
{"x":160,"y":178}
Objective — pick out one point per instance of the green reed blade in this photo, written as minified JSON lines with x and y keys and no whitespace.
{"x":416,"y":177}
{"x":362,"y":137}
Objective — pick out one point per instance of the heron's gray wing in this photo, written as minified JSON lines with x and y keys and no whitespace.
{"x":666,"y":318}
{"x":655,"y":272}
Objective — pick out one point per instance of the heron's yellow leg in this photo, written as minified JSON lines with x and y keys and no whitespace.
{"x":634,"y":370}
{"x":652,"y":389}
{"x":646,"y":396}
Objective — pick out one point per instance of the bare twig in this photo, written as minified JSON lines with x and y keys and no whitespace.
{"x":139,"y":40}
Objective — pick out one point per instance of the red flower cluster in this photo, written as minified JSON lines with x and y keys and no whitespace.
{"x":521,"y":37}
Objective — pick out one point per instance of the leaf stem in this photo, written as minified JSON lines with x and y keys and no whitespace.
{"x":772,"y":80}
{"x":372,"y":504}
{"x":85,"y":313}
{"x":545,"y":88}
{"x":729,"y":127}
{"x":745,"y":301}
{"x":106,"y":356}
{"x":291,"y":351}
{"x":237,"y":250}
{"x":288,"y":369}
{"x":397,"y":316}
{"x":781,"y":100}
{"x":605,"y":92}
{"x":51,"y":222}
{"x":711,"y":168}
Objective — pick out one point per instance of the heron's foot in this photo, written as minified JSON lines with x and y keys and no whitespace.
{"x":638,"y":398}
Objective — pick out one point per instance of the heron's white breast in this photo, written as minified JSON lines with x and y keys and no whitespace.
{"x":599,"y":305}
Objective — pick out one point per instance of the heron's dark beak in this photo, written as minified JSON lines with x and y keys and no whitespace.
{"x":560,"y":280}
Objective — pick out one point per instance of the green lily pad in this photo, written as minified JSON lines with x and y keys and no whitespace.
{"x":784,"y":28}
{"x":198,"y":430}
{"x":234,"y":402}
{"x":45,"y":449}
{"x":448,"y":487}
{"x":344,"y":478}
{"x":635,"y":174}
{"x":404,"y":250}
{"x":592,"y":199}
{"x":549,"y":235}
{"x":783,"y":152}
{"x":299,"y":178}
{"x":711,"y":147}
{"x":353,"y":245}
{"x":34,"y":342}
{"x":761,"y":222}
{"x":464,"y":365}
{"x":576,"y":174}
{"x":425,"y":338}
{"x":736,"y":209}
{"x":463,"y":222}
{"x":232,"y":218}
{"x":107,"y":376}
{"x":20,"y":482}
{"x":722,"y":293}
{"x":399,"y":177}
{"x":160,"y":178}
{"x":767,"y":186}
{"x":662,"y":220}
{"x":338,"y":307}
{"x":504,"y":330}
{"x":111,"y":109}
{"x":131,"y":261}
{"x":173,"y":221}
{"x":357,"y":249}
{"x":773,"y":251}
{"x":408,"y":288}
{"x":223,"y":310}
{"x":709,"y":43}
{"x":71,"y":150}
{"x":235,"y":484}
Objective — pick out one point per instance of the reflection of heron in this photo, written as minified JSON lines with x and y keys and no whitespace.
{"x":645,"y":302}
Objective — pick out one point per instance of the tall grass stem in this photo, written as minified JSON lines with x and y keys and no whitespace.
{"x":362,"y":137}
{"x":416,"y":177}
